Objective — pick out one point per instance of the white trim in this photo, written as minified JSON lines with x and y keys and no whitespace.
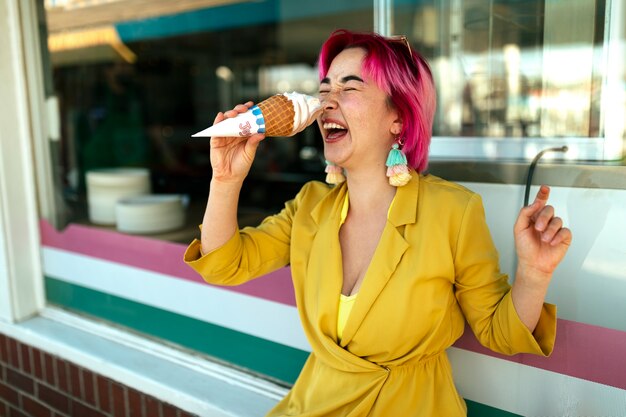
{"x":43,"y":116}
{"x":482,"y":148}
{"x":613,"y":101}
{"x":19,"y":230}
{"x":266,"y":319}
{"x":184,"y":380}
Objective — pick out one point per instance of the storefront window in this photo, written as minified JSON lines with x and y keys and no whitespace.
{"x":134,"y":83}
{"x":512,"y":69}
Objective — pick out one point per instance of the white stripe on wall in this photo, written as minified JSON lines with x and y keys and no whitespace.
{"x":261,"y":318}
{"x":530,"y":391}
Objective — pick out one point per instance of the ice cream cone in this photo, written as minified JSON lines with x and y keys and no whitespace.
{"x":280,"y":115}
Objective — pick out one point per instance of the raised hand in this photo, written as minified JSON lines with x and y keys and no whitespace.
{"x":541,"y":240}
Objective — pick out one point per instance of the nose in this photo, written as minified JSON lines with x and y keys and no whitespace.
{"x":329,"y":102}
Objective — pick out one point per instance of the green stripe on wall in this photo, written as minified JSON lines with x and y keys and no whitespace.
{"x":260,"y":355}
{"x":482,"y":410}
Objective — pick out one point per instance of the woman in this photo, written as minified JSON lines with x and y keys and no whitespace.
{"x":385,"y":276}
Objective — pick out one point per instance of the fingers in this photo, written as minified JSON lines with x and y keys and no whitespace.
{"x":239,"y":108}
{"x":543,"y":218}
{"x":543,"y":194}
{"x":550,"y":229}
{"x":528,"y":214}
{"x":564,"y":236}
{"x":219,"y":117}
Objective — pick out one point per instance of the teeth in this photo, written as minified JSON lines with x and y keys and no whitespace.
{"x":333,"y":126}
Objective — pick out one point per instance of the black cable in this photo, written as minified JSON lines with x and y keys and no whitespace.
{"x":531,"y":169}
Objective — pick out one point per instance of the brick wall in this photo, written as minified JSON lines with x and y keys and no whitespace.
{"x":34,"y":383}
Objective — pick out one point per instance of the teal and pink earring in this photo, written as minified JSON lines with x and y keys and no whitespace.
{"x":397,"y":168}
{"x":334,"y":173}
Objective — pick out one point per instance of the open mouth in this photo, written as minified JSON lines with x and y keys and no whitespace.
{"x":334,"y":131}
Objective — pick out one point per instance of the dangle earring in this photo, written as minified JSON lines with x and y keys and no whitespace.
{"x":397,"y":169}
{"x":334,"y":173}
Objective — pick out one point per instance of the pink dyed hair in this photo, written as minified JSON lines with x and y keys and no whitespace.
{"x":403,"y":74}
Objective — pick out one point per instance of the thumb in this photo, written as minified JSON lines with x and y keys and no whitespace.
{"x":527,"y":214}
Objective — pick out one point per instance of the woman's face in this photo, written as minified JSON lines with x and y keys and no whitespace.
{"x":357,"y":124}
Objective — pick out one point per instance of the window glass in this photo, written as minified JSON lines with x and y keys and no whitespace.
{"x":511,"y":68}
{"x":134,"y":83}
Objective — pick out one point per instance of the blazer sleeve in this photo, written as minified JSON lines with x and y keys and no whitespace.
{"x":484,"y":293}
{"x":250,"y":252}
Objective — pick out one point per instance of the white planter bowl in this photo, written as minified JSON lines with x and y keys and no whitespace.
{"x":147,"y":214}
{"x":106,"y":186}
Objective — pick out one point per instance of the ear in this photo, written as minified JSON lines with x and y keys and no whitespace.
{"x":396,"y":127}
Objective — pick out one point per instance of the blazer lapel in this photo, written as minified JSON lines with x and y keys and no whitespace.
{"x":387,"y":256}
{"x":325,"y":266}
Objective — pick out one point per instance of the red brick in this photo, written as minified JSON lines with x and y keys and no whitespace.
{"x":27,"y":365}
{"x":104,"y":393}
{"x":182,"y":413}
{"x":135,"y":399}
{"x":118,"y":397}
{"x":8,"y":394}
{"x":82,"y":410}
{"x":74,"y":381}
{"x":13,"y":354}
{"x":62,"y":375}
{"x":38,"y":364}
{"x":53,"y":398}
{"x":89,"y":394}
{"x":153,"y":407}
{"x":4,"y":410}
{"x":4,"y":356}
{"x":47,"y":368}
{"x":34,"y":408}
{"x":3,"y":374}
{"x":14,"y":412}
{"x":20,"y":381}
{"x":168,"y":410}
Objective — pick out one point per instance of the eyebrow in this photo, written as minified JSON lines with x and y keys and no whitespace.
{"x":343,"y":79}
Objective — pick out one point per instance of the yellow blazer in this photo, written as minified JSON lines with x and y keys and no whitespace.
{"x":434,"y":268}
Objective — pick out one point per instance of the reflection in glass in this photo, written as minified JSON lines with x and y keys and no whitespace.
{"x":134,"y":83}
{"x":511,"y":68}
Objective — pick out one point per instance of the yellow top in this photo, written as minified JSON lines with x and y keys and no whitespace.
{"x":435,"y":268}
{"x":346,"y":302}
{"x":345,"y":306}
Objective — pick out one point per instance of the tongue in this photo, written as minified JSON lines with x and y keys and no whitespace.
{"x":336,"y":134}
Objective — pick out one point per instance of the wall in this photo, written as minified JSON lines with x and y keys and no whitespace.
{"x":36,"y":384}
{"x":255,"y":326}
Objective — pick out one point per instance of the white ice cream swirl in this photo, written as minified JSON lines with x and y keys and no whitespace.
{"x":306,"y":110}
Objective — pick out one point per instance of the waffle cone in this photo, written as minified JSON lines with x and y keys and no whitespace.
{"x":279,"y":115}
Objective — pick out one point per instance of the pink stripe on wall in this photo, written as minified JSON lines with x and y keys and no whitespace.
{"x":581,"y":350}
{"x":157,"y":256}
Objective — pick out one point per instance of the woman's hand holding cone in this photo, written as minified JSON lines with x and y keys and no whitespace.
{"x":231,"y":157}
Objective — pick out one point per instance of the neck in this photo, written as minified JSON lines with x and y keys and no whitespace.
{"x":369,"y":191}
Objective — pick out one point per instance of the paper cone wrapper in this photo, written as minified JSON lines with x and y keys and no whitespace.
{"x":244,"y":124}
